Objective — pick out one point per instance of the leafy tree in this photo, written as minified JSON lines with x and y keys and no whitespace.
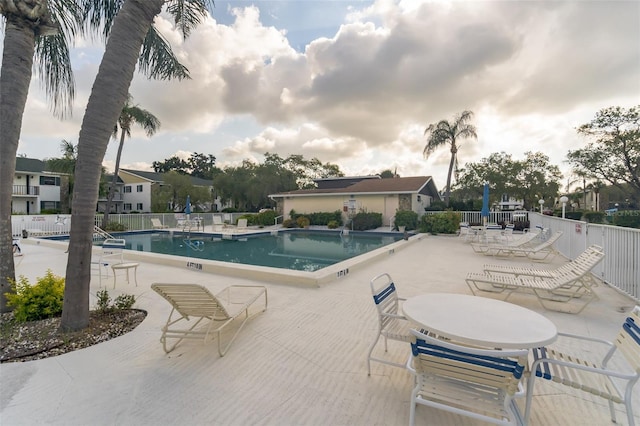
{"x":131,"y":26}
{"x":130,"y":115}
{"x":528,"y":180}
{"x":173,"y":193}
{"x":198,"y":165}
{"x":443,"y":133}
{"x":387,"y":174}
{"x":613,"y":152}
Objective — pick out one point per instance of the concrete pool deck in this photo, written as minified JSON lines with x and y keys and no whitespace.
{"x":302,"y":362}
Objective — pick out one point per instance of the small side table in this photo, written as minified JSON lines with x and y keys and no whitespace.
{"x":126,"y":266}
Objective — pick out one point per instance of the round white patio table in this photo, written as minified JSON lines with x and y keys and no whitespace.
{"x":480,"y":321}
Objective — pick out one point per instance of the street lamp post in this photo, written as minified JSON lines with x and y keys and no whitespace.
{"x":564,"y":201}
{"x":541,"y":202}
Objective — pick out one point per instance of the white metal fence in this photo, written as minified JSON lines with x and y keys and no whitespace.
{"x":620,"y":267}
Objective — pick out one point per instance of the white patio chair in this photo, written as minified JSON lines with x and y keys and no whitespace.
{"x":112,"y":253}
{"x":391,"y":324}
{"x":472,"y":382}
{"x":597,"y":378}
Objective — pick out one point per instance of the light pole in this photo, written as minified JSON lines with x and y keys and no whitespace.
{"x":563,"y":200}
{"x":541,"y":202}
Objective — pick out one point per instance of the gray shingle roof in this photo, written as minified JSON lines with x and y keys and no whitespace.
{"x":373,"y":186}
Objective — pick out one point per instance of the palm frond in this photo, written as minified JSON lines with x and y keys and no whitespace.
{"x":52,"y":64}
{"x":157,"y":59}
{"x":69,"y":15}
{"x":98,"y":15}
{"x":187,"y":14}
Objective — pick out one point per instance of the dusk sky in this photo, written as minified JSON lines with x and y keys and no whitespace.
{"x":357,"y":82}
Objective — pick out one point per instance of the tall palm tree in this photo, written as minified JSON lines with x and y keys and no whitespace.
{"x":67,"y":165}
{"x":444,"y":132}
{"x":39,"y":31}
{"x":130,"y":115}
{"x":108,"y":95}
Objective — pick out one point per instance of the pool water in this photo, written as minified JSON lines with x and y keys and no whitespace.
{"x":301,"y":251}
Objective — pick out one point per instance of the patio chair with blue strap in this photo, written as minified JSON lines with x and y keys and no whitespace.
{"x":391,"y":325}
{"x":472,"y":382}
{"x":599,"y":378}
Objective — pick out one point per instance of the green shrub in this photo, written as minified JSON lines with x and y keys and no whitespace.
{"x":40,"y":301}
{"x":251,"y":219}
{"x":303,"y":222}
{"x":437,"y":206}
{"x":323,"y":218}
{"x":266,"y":218}
{"x":573,"y":215}
{"x":333,"y":224}
{"x":104,"y":305}
{"x":289,"y":223}
{"x":406,"y":218}
{"x":440,"y":223}
{"x":363,"y":221}
{"x":229,"y":210}
{"x":594,"y":217}
{"x":124,"y":301}
{"x":627,"y":218}
{"x":116,"y":226}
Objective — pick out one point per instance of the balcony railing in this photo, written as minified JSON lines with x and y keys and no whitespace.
{"x":25,"y":190}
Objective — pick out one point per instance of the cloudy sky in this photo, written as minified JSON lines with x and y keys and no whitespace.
{"x":356,"y":82}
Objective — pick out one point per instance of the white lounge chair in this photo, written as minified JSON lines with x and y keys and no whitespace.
{"x":477,"y":383}
{"x":391,"y":324}
{"x":570,"y":282}
{"x":540,"y":252}
{"x":156,"y":224}
{"x":212,"y":313}
{"x":242,"y":225}
{"x":218,"y":224}
{"x":498,"y":248}
{"x":603,"y":378}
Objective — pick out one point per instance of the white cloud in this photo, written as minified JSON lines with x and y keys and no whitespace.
{"x":362,"y":95}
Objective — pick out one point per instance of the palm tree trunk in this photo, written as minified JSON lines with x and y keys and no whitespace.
{"x":108,"y":95}
{"x":447,"y":193}
{"x":114,"y":181}
{"x":15,"y":76}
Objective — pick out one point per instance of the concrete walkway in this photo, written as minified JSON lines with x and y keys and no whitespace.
{"x":302,"y":362}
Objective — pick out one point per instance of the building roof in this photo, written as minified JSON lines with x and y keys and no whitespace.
{"x":30,"y":165}
{"x":159,"y":177}
{"x":405,"y":185}
{"x":341,"y":182}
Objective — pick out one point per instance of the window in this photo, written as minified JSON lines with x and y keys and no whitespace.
{"x":139,"y":206}
{"x":139,"y":188}
{"x":49,"y":205}
{"x":127,"y":188}
{"x":50,"y":180}
{"x":127,"y":206}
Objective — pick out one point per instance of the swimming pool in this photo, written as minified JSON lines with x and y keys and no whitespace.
{"x":294,"y":250}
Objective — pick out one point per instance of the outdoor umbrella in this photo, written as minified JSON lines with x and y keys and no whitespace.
{"x":187,"y":209}
{"x":485,"y":204}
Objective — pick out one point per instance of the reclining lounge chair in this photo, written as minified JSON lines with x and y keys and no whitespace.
{"x":569,"y":282}
{"x":193,"y":302}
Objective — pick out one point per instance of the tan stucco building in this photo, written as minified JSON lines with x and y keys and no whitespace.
{"x":355,"y":194}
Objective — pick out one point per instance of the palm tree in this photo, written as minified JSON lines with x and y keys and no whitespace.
{"x":67,"y":165}
{"x":130,"y":115}
{"x":442,"y":133}
{"x":40,"y":29}
{"x":108,"y":95}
